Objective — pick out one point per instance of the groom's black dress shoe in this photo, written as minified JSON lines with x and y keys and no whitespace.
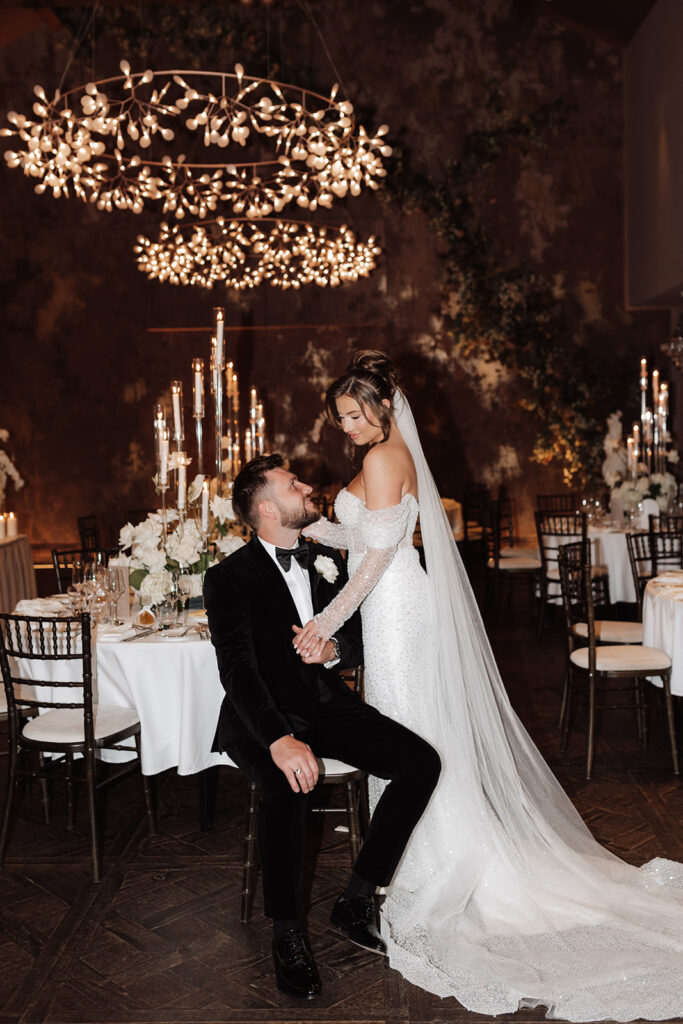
{"x":357,"y":918}
{"x":295,"y":970}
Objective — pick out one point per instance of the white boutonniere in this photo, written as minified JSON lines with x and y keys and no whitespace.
{"x":327,"y":568}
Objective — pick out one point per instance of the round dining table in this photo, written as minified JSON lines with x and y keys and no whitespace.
{"x":663,"y":622}
{"x":169,"y":677}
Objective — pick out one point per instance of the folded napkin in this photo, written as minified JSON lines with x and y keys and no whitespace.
{"x":47,"y":606}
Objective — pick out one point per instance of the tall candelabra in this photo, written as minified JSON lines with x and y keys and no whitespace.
{"x":228,"y":441}
{"x":647,"y":444}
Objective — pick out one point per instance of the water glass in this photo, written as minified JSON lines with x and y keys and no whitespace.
{"x":167,"y":613}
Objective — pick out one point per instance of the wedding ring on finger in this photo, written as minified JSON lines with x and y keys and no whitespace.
{"x":297,"y":771}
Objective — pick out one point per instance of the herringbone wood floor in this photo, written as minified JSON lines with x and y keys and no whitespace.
{"x":159,"y":941}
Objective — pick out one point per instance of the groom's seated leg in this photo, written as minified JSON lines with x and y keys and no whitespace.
{"x":280,"y":834}
{"x":359,"y":735}
{"x":280,"y":839}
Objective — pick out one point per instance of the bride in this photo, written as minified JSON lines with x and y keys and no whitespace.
{"x":503,"y":898}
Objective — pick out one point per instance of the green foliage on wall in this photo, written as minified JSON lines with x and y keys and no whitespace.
{"x":499,"y":309}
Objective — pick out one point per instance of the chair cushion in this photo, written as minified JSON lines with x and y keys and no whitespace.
{"x":596,"y":571}
{"x":330,"y":767}
{"x":612,"y":632}
{"x":519,"y":552}
{"x":65,"y":725}
{"x":620,"y":659}
{"x":516,"y":563}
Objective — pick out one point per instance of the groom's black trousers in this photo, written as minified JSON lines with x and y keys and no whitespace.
{"x":350,"y":731}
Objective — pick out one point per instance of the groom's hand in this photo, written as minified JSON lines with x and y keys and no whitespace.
{"x":323,"y":652}
{"x":289,"y":755}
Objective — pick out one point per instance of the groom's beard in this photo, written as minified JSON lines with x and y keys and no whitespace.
{"x":298,"y":519}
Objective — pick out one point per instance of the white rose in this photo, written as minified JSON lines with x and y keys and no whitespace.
{"x":126,"y":536}
{"x":672,"y":456}
{"x":185,"y":545}
{"x":151,"y":556}
{"x":195,"y":488}
{"x":226,"y":545}
{"x":327,"y":568}
{"x":222,"y":509}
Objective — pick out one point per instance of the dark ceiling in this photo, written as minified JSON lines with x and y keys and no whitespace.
{"x":615,"y":21}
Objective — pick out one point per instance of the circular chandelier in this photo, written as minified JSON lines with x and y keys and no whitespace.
{"x":113,"y":151}
{"x":242,"y":254}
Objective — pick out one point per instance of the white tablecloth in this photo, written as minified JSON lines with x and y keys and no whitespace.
{"x":663,"y":622}
{"x":174,"y":686}
{"x":610,"y":549}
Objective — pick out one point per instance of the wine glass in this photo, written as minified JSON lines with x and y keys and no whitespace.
{"x":115,"y":589}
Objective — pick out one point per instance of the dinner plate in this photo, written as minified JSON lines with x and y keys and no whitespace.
{"x":178,"y":633}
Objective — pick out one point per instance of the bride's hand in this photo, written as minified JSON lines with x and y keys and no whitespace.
{"x":308,"y":642}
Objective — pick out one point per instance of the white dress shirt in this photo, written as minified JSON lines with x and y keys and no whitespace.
{"x":297,"y":580}
{"x":299,"y":583}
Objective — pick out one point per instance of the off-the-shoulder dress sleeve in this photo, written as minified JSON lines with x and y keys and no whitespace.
{"x":335,"y":535}
{"x":380,"y":531}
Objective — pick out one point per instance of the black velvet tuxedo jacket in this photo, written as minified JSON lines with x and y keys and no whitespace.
{"x":270,"y":692}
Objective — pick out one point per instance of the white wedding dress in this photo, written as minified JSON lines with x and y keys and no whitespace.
{"x":503,"y":899}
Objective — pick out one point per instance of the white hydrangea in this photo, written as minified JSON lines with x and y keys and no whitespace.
{"x":155,"y":586}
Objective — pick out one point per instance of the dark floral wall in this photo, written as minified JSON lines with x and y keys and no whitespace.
{"x":536,"y":105}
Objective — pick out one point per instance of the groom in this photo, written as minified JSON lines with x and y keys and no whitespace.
{"x":282,"y":710}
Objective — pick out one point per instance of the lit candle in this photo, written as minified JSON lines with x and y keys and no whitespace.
{"x":260,"y":427}
{"x":159,"y":424}
{"x":643,"y":390}
{"x":236,"y":462}
{"x":655,"y":388}
{"x":12,"y":525}
{"x":177,"y":399}
{"x":3,"y":527}
{"x":664,"y":398}
{"x":205,"y":507}
{"x":636,"y":442}
{"x":198,"y":387}
{"x":163,"y":459}
{"x":219,"y":319}
{"x":630,"y":458}
{"x":248,"y":447}
{"x":182,"y":482}
{"x":647,"y":427}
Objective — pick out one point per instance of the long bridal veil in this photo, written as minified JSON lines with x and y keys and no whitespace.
{"x":509,"y":900}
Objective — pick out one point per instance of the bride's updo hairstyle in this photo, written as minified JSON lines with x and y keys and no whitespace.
{"x":370,"y":378}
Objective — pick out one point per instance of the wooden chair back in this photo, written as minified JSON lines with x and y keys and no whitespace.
{"x":568,"y":502}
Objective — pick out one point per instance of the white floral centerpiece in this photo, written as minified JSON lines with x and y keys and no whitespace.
{"x":8,"y":471}
{"x":153,"y":560}
{"x":662,"y":487}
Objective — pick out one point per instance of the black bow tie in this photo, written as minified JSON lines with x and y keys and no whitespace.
{"x":285,"y":555}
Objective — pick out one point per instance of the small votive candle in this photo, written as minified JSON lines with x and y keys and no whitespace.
{"x":3,"y":527}
{"x":12,"y":524}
